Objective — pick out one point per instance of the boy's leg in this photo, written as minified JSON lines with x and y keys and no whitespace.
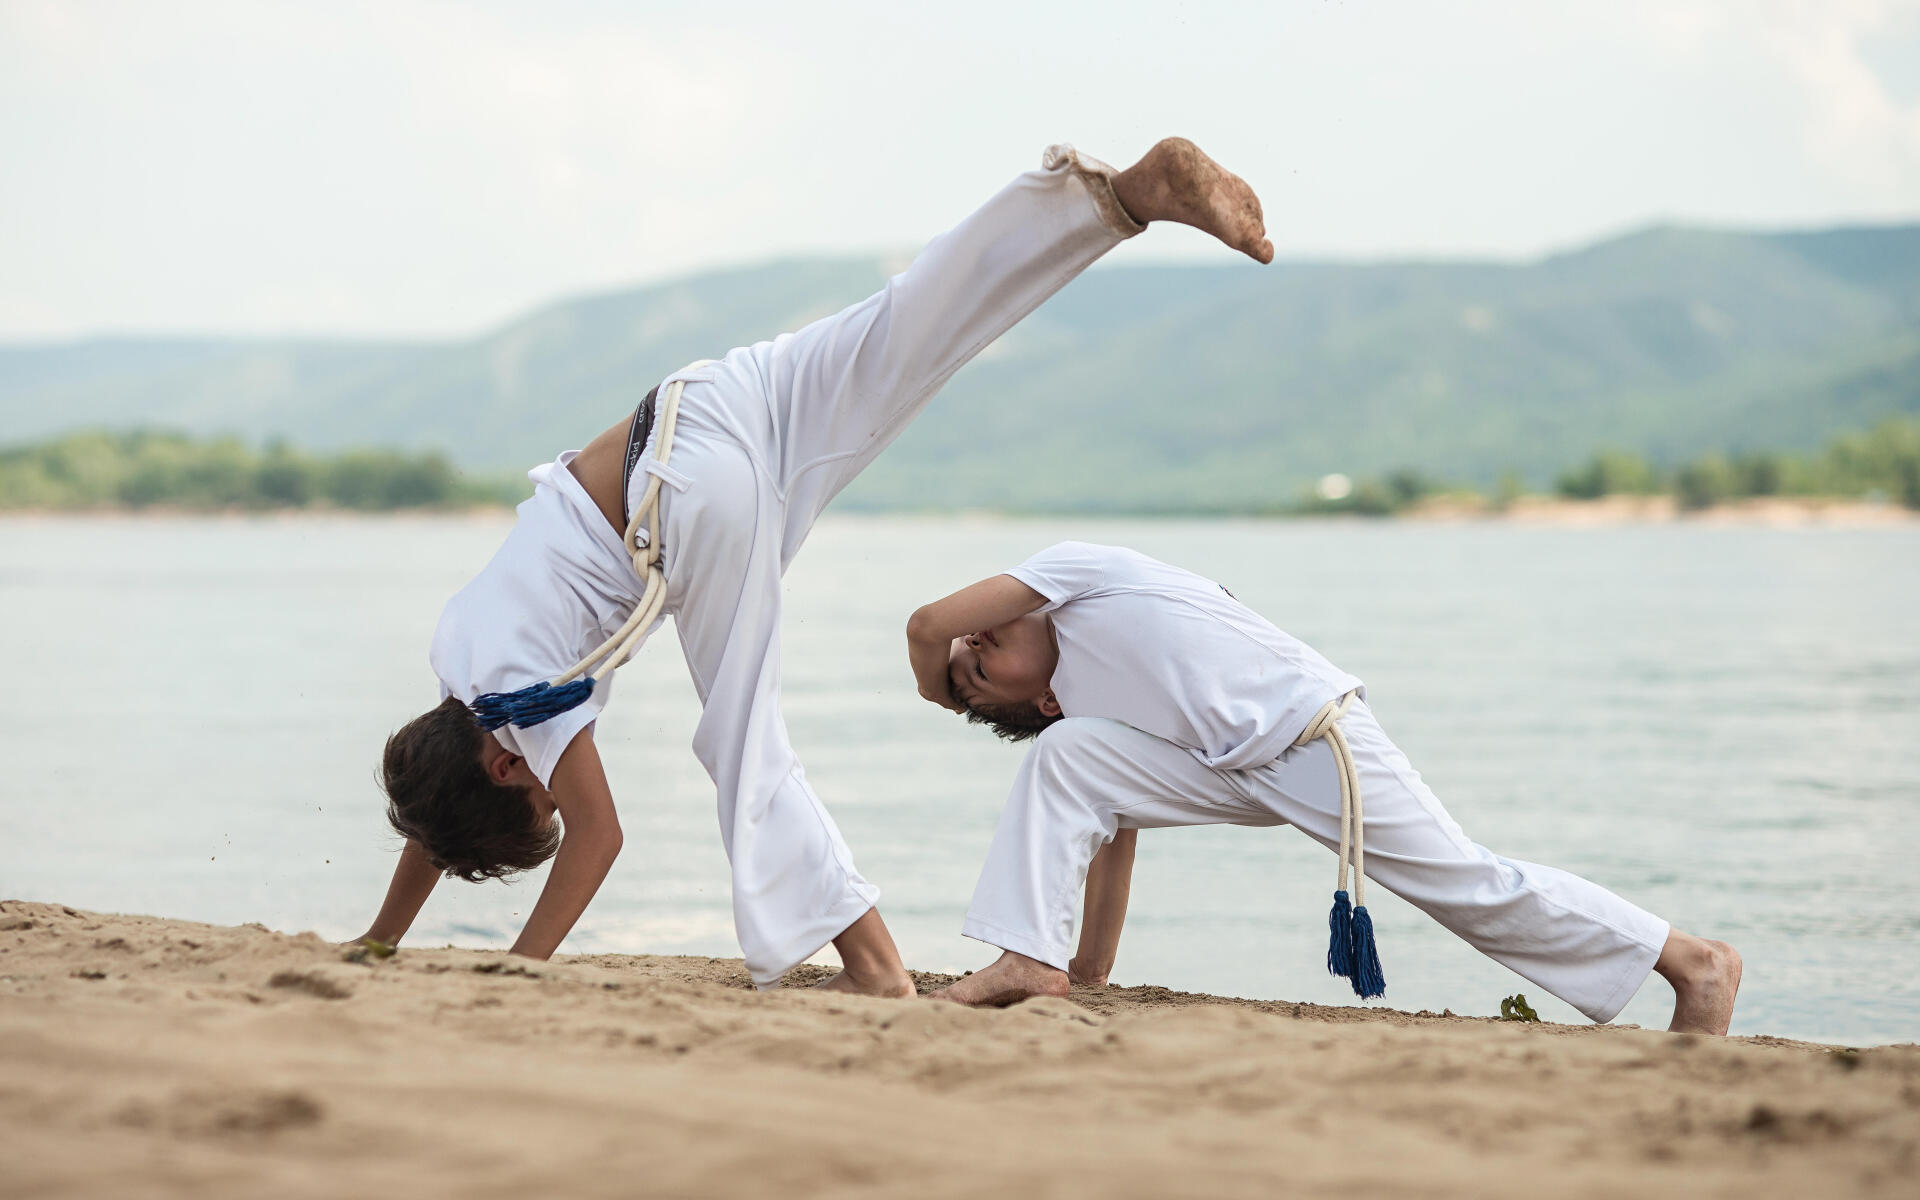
{"x":1572,"y":937}
{"x":840,"y":390}
{"x":795,"y":887}
{"x":808,"y":411}
{"x":1084,"y":779}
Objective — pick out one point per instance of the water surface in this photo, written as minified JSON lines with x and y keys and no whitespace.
{"x":1721,"y":724}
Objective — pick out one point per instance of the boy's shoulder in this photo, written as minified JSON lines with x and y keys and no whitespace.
{"x":1069,"y":571}
{"x":1092,"y":556}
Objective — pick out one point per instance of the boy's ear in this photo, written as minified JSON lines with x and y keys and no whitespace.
{"x":1049,"y":707}
{"x":501,"y":762}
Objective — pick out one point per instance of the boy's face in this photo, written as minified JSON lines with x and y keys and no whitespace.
{"x":505,"y":767}
{"x":1008,"y":664}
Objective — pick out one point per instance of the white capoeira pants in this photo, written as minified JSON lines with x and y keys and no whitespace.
{"x":1087,"y":778}
{"x":767,"y":437}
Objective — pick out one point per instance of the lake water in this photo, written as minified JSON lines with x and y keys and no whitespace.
{"x":1722,"y":724}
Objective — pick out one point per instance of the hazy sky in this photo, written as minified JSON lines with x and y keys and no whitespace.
{"x":428,"y":168}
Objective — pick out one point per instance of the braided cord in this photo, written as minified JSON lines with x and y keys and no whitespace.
{"x":1326,"y":724}
{"x":632,"y":634}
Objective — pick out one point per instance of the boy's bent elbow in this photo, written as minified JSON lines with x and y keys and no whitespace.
{"x":920,"y":626}
{"x":599,"y":840}
{"x":607,"y":841}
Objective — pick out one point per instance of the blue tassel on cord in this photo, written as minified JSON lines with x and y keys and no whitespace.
{"x":1340,"y":936}
{"x":530,"y":705}
{"x":1368,"y":981}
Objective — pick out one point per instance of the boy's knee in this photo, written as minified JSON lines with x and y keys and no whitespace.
{"x":1073,"y":736}
{"x":1075,"y":748}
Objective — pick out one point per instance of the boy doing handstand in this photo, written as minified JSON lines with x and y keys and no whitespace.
{"x":748,"y":451}
{"x":1158,"y":699}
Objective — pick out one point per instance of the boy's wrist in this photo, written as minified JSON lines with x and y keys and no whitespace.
{"x":1086,"y":973}
{"x":931,"y":680}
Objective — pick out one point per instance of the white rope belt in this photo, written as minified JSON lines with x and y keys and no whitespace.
{"x":569,"y":689}
{"x":1350,"y":949}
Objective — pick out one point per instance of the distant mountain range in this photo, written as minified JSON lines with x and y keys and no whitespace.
{"x":1137,"y":388}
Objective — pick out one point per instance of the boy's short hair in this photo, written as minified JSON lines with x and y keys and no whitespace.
{"x":440,"y":795}
{"x":1014,"y":722}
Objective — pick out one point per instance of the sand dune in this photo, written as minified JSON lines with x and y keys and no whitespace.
{"x":147,"y":1057}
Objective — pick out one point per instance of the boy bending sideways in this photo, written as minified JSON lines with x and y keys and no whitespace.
{"x":730,"y":475}
{"x":1157,"y":699}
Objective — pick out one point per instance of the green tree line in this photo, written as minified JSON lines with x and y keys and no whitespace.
{"x":1880,"y":464}
{"x":1883,"y":463}
{"x":145,"y":469}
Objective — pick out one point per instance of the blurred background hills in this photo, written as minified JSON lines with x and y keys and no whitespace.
{"x":1138,"y":388}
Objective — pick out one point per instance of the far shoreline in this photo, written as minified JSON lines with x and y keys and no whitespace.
{"x":1763,"y":512}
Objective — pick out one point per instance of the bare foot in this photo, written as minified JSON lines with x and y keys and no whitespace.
{"x":870,"y":964}
{"x":1706,"y":978}
{"x":887,"y":987}
{"x":1176,"y":181}
{"x":1011,"y":979}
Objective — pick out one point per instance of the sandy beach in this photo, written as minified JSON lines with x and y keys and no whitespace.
{"x":150,"y":1057}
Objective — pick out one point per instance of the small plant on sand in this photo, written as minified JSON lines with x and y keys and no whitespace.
{"x":1515,"y":1008}
{"x":368,"y":949}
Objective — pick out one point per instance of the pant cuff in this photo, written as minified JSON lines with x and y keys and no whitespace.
{"x":772,"y":968}
{"x":1630,"y":979}
{"x":1019,"y":943}
{"x":1098,"y":177}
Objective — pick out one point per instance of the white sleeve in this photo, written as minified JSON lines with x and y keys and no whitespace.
{"x":543,"y":744}
{"x":1067,"y":571}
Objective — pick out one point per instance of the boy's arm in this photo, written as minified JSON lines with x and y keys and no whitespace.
{"x":932,"y":628}
{"x":589,"y":845}
{"x":413,"y":880}
{"x":1109,"y":879}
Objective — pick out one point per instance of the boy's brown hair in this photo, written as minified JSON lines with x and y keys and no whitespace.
{"x":440,"y":795}
{"x":1014,"y":722}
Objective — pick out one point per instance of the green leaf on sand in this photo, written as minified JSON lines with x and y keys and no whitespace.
{"x":1515,"y":1008}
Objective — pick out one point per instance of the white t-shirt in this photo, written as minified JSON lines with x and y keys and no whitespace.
{"x":1173,"y":655}
{"x":560,"y":585}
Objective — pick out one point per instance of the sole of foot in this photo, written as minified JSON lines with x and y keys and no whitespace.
{"x":1177,"y":181}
